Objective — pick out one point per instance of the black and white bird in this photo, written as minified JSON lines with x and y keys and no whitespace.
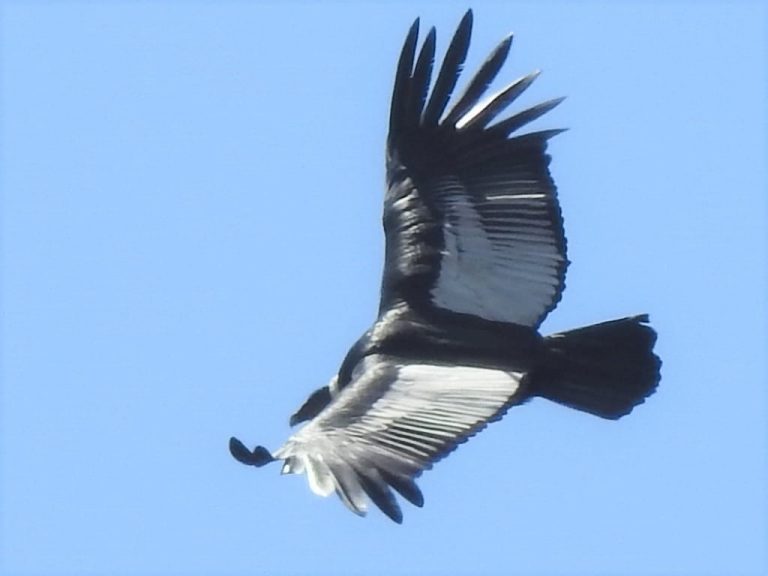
{"x":475,"y":260}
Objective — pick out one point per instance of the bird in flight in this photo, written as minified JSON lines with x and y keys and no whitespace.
{"x":475,"y":260}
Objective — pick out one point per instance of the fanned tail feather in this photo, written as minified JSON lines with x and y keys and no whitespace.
{"x":605,"y":369}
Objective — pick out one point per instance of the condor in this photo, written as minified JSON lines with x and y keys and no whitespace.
{"x":475,"y":260}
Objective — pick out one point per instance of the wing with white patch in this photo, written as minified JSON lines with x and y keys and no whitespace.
{"x":393,"y":421}
{"x":471,"y":214}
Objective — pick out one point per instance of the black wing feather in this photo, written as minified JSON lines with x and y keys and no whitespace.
{"x":404,"y":486}
{"x":500,"y":101}
{"x":506,"y":127}
{"x":402,"y":88}
{"x":480,"y":82}
{"x":422,"y":74}
{"x":471,"y":216}
{"x":449,"y":71}
{"x":378,"y":491}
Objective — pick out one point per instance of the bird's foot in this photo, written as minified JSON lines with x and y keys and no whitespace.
{"x":258,"y":457}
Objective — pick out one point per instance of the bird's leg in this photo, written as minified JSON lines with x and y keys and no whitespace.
{"x":258,"y":457}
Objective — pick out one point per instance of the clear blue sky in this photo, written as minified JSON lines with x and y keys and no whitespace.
{"x":191,"y":198}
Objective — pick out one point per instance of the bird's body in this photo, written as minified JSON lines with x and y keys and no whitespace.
{"x":475,"y":259}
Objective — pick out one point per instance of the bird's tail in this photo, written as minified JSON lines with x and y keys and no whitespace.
{"x":605,"y":369}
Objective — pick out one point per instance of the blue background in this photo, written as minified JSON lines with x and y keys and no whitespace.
{"x":191,"y":198}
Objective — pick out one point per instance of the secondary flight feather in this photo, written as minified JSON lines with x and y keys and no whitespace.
{"x":475,"y":260}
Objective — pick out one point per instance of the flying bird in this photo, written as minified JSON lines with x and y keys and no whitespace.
{"x":475,"y":259}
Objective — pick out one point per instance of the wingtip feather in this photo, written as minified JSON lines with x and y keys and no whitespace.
{"x":380,"y":494}
{"x":449,"y":71}
{"x":403,"y":78}
{"x":480,"y":82}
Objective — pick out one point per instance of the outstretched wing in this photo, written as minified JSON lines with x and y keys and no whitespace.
{"x":471,"y":215}
{"x":392,"y":422}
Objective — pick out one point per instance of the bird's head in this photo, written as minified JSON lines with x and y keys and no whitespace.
{"x":313,"y":405}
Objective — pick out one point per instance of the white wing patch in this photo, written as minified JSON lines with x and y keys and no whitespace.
{"x":504,"y":266}
{"x":394,"y":419}
{"x":447,"y":398}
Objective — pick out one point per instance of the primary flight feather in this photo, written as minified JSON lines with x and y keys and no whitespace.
{"x":475,"y":260}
